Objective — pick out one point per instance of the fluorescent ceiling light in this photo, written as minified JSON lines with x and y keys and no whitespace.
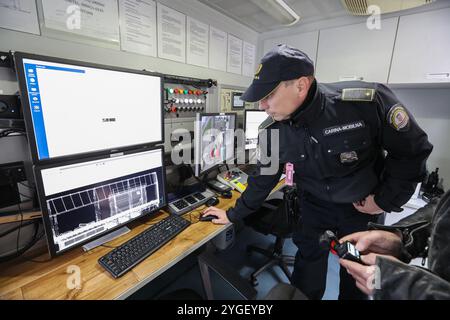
{"x":279,"y":10}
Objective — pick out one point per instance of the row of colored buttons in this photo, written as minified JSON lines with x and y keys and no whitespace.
{"x":181,"y":91}
{"x":178,"y":109}
{"x":191,"y":101}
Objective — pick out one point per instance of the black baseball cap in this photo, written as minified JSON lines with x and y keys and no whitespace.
{"x":282,"y":63}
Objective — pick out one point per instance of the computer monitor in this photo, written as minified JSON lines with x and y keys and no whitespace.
{"x":214,"y":140}
{"x":236,"y":102}
{"x":253,"y":119}
{"x":84,"y":199}
{"x":73,"y":108}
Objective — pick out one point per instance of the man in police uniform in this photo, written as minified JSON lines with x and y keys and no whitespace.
{"x":356,"y":150}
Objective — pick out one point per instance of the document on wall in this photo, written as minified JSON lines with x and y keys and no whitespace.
{"x":234,"y":59}
{"x":248,"y":59}
{"x":217,"y":49}
{"x":138,"y":26}
{"x":97,"y":19}
{"x":197,"y":42}
{"x":171,"y":34}
{"x":19,"y":15}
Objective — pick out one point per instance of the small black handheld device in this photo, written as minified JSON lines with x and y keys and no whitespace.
{"x":345,"y":250}
{"x":218,"y":186}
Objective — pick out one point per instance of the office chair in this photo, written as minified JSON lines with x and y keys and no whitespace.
{"x":276,"y":217}
{"x":209,"y":262}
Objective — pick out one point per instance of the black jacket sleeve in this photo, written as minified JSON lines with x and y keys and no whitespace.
{"x":260,"y":184}
{"x":415,"y":229}
{"x":407,"y":149}
{"x":398,"y":281}
{"x":258,"y":188}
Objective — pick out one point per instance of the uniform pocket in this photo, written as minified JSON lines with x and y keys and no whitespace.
{"x":343,"y":153}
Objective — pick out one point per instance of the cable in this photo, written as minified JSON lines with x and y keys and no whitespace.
{"x":19,"y":252}
{"x":37,"y":261}
{"x":31,"y":243}
{"x":198,"y":210}
{"x":7,"y":132}
{"x":15,"y":228}
{"x":20,"y":227}
{"x":25,"y":185}
{"x":26,"y":196}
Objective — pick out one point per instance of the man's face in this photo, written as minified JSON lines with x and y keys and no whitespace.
{"x":285,"y":99}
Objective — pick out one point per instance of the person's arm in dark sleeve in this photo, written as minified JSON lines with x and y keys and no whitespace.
{"x":407,"y":149}
{"x":260,"y":184}
{"x":258,"y":189}
{"x":398,"y":281}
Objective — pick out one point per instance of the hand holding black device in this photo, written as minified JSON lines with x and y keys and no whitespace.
{"x":208,"y":218}
{"x":345,"y":250}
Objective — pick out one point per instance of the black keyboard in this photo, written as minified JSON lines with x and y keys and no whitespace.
{"x":126,"y":256}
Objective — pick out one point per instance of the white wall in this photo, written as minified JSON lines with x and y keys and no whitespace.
{"x":338,"y":21}
{"x":70,"y":47}
{"x":431,"y":109}
{"x":67,"y":48}
{"x":429,"y":104}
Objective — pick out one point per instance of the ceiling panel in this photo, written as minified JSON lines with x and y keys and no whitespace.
{"x":249,"y":14}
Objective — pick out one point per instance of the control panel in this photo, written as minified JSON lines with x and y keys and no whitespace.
{"x":230,"y":101}
{"x":183,"y":98}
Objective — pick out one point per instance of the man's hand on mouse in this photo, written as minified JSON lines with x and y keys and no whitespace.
{"x":221,"y":214}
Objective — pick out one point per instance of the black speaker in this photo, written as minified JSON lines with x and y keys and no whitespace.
{"x":10,"y":107}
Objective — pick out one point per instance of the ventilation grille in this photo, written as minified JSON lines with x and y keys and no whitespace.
{"x":359,"y":7}
{"x":356,"y":7}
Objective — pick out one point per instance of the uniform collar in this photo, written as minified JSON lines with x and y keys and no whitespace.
{"x":310,"y":109}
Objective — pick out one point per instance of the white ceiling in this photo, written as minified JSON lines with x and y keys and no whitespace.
{"x":247,"y":13}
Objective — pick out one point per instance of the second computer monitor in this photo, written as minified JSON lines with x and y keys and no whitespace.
{"x":84,"y":199}
{"x":214,"y":140}
{"x":253,"y":119}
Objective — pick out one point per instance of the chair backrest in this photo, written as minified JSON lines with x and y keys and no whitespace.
{"x":272,"y":218}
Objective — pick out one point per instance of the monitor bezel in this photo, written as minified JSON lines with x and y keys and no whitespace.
{"x":28,"y":119}
{"x":245,"y":122}
{"x":44,"y":209}
{"x":197,"y":165}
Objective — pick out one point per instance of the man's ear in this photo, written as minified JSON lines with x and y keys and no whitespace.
{"x":302,"y":85}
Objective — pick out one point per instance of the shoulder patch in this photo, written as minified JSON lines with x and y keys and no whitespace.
{"x":266,"y":123}
{"x":398,"y":117}
{"x":358,"y":94}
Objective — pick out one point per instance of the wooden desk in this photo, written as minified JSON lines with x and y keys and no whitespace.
{"x":21,"y":279}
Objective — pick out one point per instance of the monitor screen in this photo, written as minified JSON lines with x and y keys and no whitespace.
{"x":236,"y":102}
{"x":253,"y":119}
{"x":74,"y":108}
{"x":214,"y":140}
{"x":85,"y":199}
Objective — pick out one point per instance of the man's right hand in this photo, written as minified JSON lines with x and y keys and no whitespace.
{"x":376,"y":241}
{"x":221,"y":215}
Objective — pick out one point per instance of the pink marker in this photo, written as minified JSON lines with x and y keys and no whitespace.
{"x":289,"y":168}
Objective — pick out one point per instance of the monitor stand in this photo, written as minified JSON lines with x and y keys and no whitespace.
{"x":106,"y":238}
{"x":235,"y":178}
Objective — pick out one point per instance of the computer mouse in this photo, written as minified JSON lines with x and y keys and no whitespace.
{"x":208,"y":218}
{"x":212,"y":202}
{"x":227,"y":194}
